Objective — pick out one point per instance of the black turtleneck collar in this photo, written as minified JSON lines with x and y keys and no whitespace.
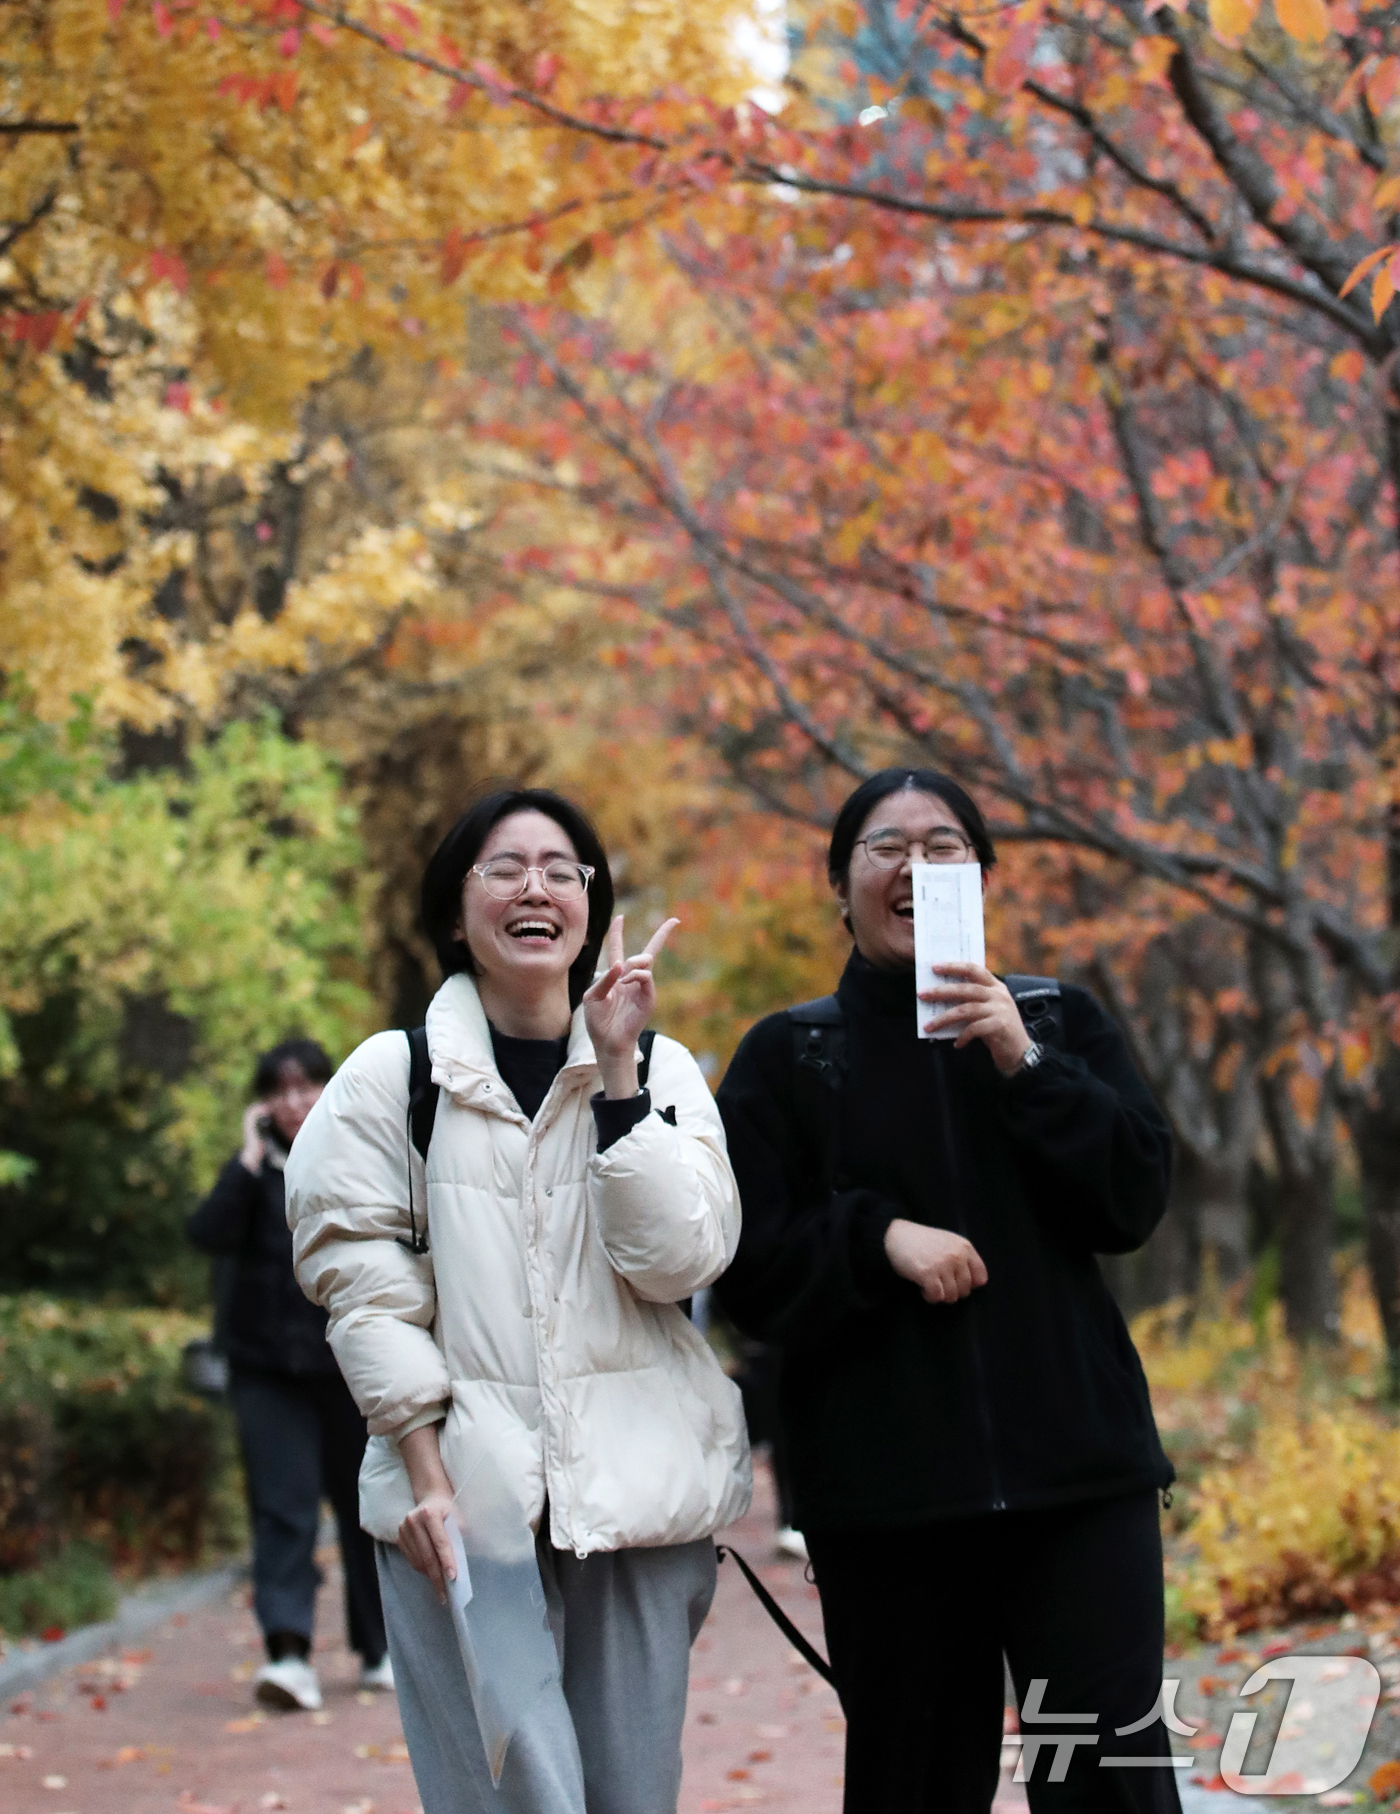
{"x":863,"y":989}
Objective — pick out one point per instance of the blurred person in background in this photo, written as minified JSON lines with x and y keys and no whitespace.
{"x":974,"y":1459}
{"x":301,"y":1434}
{"x":536,"y":1320}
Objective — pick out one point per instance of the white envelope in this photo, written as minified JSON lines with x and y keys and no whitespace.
{"x":948,"y":928}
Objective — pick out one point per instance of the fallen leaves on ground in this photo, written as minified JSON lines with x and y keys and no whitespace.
{"x":395,"y":1752}
{"x":1385,"y":1780}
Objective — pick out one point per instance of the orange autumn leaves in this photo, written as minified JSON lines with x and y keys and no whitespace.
{"x":1385,"y":263}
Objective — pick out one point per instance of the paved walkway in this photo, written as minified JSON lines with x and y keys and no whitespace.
{"x":171,"y":1728}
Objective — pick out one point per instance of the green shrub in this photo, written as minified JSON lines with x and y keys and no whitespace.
{"x":101,"y":1440}
{"x":76,"y":1588}
{"x":157,"y":931}
{"x":103,"y":1206}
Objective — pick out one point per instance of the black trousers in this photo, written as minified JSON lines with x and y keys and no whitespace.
{"x":303,"y":1438}
{"x":917,"y":1622}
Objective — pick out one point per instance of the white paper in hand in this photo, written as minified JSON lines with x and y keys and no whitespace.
{"x":948,"y":928}
{"x":459,"y":1592}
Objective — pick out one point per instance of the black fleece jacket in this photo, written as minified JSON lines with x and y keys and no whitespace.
{"x":1027,"y":1393}
{"x":270,"y":1325}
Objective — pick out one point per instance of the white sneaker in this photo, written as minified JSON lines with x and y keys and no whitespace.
{"x":289,"y":1684}
{"x":792,"y":1543}
{"x":380,"y":1676}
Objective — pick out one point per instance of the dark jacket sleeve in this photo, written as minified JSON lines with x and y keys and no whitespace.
{"x":1095,"y":1148}
{"x":223,"y":1223}
{"x":807,"y":1260}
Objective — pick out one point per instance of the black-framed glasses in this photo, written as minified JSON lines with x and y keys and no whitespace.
{"x":507,"y":878}
{"x":890,"y":849}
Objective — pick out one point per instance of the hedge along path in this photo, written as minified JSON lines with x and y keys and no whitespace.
{"x":27,"y":1664}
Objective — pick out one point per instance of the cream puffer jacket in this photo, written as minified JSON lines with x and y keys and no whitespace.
{"x":543,"y":1323}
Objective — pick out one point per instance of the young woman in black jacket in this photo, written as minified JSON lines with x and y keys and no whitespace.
{"x":300,"y":1431}
{"x":973,"y":1454}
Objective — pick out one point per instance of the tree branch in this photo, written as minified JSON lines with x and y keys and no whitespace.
{"x":32,"y":219}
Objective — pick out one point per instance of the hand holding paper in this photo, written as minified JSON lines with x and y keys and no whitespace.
{"x":948,"y":928}
{"x":958,"y":997}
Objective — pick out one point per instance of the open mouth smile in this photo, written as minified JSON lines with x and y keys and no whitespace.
{"x":530,"y":932}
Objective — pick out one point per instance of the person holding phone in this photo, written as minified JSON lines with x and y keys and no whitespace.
{"x":518,"y":1295}
{"x":301,"y":1434}
{"x":974,"y":1460}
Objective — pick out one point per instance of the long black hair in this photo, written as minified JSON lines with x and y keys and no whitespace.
{"x":450,"y":863}
{"x":858,"y":808}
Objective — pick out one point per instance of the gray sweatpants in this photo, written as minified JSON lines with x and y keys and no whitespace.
{"x":610,"y":1743}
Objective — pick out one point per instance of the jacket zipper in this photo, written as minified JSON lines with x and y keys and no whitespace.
{"x":979,"y":1371}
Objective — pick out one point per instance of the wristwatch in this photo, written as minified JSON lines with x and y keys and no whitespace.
{"x":1030,"y":1058}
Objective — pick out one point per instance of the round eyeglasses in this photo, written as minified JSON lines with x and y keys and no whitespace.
{"x":888,"y":850}
{"x":507,"y":878}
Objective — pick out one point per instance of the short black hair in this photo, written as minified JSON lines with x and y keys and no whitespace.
{"x":303,"y":1055}
{"x":875,"y":788}
{"x":450,"y":863}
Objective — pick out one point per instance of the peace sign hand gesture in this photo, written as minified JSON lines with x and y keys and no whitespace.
{"x":619,"y":1005}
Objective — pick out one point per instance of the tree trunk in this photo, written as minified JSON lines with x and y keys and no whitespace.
{"x":1303,"y":1135}
{"x":1205,"y":1084}
{"x":1375,"y":1126}
{"x":1375,"y":1119}
{"x":1220,"y":1188}
{"x":1306,"y":1224}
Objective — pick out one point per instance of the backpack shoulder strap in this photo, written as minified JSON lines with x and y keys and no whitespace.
{"x":819,"y":1038}
{"x":819,"y":1071}
{"x":1042,"y":1006}
{"x":825,"y":1011}
{"x":422,"y":1092}
{"x":422,"y":1112}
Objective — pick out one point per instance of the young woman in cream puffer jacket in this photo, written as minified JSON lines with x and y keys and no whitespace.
{"x":543,"y":1321}
{"x":568,"y":1214}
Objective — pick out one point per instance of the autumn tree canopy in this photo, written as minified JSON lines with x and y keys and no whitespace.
{"x":1013,"y":387}
{"x":1002,"y":441}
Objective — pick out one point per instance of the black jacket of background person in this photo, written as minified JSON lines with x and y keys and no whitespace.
{"x":269,"y":1325}
{"x":1027,"y":1393}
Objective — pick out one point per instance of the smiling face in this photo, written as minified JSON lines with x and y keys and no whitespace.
{"x":527,"y":945}
{"x":879,"y":903}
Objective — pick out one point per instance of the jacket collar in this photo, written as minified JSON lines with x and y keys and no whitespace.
{"x":865,"y":990}
{"x":459,"y":1045}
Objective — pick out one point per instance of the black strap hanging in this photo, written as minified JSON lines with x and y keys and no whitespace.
{"x":422,"y":1112}
{"x":778,"y":1616}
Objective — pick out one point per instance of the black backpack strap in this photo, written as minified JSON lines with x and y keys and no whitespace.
{"x":778,"y":1616}
{"x":422,"y":1092}
{"x":818,"y":1071}
{"x":825,"y":1011}
{"x":422,"y":1112}
{"x":646,"y":1039}
{"x":1042,"y":1007}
